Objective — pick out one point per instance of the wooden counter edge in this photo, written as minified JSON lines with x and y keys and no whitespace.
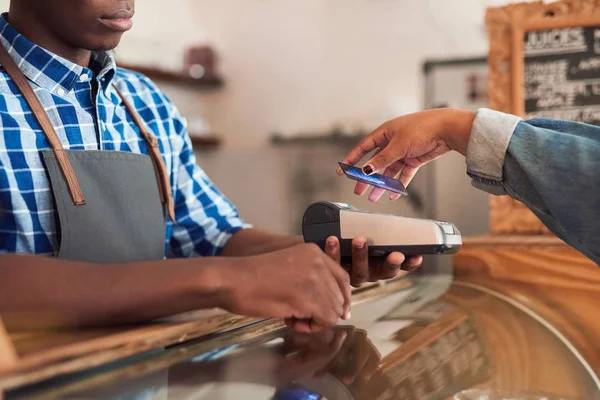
{"x":8,"y":355}
{"x":519,"y":241}
{"x":533,"y":259}
{"x":81,"y":355}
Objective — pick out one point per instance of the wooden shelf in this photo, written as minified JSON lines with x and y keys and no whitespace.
{"x":158,"y":74}
{"x":206,"y":142}
{"x":312,"y":139}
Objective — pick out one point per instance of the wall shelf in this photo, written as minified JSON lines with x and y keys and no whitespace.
{"x":158,"y":74}
{"x":205,"y":142}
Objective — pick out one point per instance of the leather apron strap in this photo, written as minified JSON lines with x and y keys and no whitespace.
{"x":42,"y":118}
{"x":65,"y":165}
{"x":160,"y":169}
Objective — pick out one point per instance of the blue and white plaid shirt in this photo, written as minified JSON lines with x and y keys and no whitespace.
{"x":205,"y":219}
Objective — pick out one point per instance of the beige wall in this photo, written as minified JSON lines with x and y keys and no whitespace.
{"x":303,"y":65}
{"x":296,"y":66}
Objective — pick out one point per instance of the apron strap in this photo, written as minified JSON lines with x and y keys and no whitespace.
{"x":160,"y":169}
{"x":42,"y":118}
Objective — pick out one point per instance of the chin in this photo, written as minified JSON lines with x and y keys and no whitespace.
{"x":104,"y":44}
{"x":103,"y":48}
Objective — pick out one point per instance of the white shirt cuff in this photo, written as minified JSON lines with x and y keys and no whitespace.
{"x":490,"y":136}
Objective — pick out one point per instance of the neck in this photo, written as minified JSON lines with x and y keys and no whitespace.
{"x":26,"y":23}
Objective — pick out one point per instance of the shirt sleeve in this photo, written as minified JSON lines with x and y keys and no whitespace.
{"x":549,"y":165}
{"x":204,"y":218}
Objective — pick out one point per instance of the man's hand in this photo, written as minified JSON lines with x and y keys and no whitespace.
{"x":409,"y":142}
{"x":255,"y":242}
{"x":300,"y":283}
{"x":364,"y":269}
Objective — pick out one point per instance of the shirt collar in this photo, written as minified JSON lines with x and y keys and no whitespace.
{"x":49,"y":70}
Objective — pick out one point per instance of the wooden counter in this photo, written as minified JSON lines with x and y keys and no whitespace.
{"x":483,"y":334}
{"x":36,"y":356}
{"x":524,"y":311}
{"x":550,"y":281}
{"x":30,"y":357}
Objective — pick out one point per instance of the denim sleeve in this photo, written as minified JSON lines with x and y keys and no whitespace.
{"x":549,"y":165}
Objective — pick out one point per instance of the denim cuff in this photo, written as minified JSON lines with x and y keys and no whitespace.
{"x":490,"y":136}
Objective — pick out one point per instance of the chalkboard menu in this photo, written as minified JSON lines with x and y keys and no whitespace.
{"x":562,"y":74}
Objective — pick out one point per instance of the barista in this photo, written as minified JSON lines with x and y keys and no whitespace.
{"x":98,"y":183}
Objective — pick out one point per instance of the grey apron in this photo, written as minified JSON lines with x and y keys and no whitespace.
{"x":111,"y":205}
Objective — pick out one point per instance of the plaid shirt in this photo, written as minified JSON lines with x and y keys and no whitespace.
{"x":205,"y":219}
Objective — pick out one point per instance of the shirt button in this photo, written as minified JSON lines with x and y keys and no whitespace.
{"x":60,"y":92}
{"x":83,"y":77}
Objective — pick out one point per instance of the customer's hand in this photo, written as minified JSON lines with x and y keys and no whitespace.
{"x":364,"y":269}
{"x":409,"y":142}
{"x":300,"y":283}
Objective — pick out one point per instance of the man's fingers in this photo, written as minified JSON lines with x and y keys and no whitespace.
{"x":360,"y":261}
{"x":392,"y":265}
{"x":412,"y":263}
{"x":326,"y":306}
{"x":332,"y":304}
{"x":334,"y":295}
{"x":343,"y":284}
{"x":332,"y":249}
{"x":324,"y":319}
{"x":388,"y":269}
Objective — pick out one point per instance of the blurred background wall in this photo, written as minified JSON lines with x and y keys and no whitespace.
{"x":304,"y":65}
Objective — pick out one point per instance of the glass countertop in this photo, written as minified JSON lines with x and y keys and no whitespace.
{"x":424,"y":337}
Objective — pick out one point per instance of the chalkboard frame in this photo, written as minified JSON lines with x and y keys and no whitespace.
{"x":506,"y":28}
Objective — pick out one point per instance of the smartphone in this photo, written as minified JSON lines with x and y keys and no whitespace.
{"x":377,"y":180}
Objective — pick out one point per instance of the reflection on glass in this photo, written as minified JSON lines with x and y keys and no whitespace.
{"x":488,"y":394}
{"x":417,"y":341}
{"x":296,"y":392}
